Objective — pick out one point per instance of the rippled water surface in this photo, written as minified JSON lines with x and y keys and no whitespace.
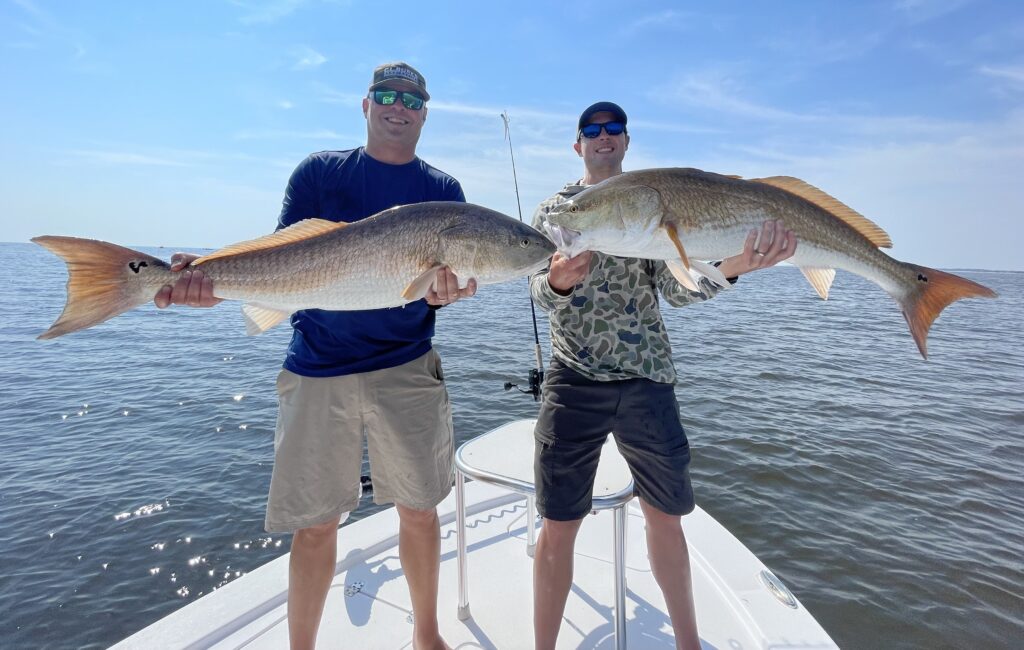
{"x":886,"y":491}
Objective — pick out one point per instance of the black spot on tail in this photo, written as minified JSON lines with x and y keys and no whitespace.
{"x":922,"y":278}
{"x":137,"y":266}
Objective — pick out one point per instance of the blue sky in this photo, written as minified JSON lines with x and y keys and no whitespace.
{"x":178,"y":124}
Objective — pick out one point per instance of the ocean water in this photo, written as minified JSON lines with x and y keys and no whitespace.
{"x":885,"y":490}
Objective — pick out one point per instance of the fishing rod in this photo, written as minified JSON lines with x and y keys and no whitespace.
{"x":536,"y":376}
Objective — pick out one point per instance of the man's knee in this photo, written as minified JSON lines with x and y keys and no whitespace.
{"x":417,"y":518}
{"x":560,"y":533}
{"x":317,"y":535}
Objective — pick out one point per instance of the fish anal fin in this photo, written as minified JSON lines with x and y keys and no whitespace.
{"x":820,"y":278}
{"x":670,"y":229}
{"x":305,"y":229}
{"x":872,"y":231}
{"x":682,"y":274}
{"x":259,"y":319}
{"x":421,"y":284}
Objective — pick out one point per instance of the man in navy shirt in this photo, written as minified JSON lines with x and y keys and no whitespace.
{"x":350,"y":372}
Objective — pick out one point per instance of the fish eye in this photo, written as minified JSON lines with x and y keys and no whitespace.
{"x":524,"y":242}
{"x":574,"y":208}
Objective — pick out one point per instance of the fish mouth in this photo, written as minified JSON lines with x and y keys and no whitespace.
{"x":567,"y":241}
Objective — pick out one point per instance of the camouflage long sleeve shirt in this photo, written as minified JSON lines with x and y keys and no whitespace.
{"x":610,"y":326}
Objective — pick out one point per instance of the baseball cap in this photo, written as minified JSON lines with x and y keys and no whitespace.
{"x":388,"y":73}
{"x":601,"y":107}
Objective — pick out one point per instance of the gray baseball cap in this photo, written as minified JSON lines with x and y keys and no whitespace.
{"x":389,"y":73}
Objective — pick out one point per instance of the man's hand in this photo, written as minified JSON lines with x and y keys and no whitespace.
{"x":566,"y":273}
{"x":192,"y":288}
{"x":446,"y":288}
{"x":762,"y":249}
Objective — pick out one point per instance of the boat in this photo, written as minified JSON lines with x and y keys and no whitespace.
{"x":485,"y":589}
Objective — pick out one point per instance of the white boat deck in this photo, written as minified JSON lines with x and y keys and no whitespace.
{"x":368,"y":604}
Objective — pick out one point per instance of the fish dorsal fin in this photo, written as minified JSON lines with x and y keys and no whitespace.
{"x":851,"y":217}
{"x":305,"y":229}
{"x":820,"y":279}
{"x":259,"y":319}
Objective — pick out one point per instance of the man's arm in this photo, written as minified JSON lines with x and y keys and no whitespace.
{"x":763,"y":248}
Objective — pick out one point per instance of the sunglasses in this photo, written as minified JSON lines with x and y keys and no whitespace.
{"x":594,"y":130}
{"x":412,"y":101}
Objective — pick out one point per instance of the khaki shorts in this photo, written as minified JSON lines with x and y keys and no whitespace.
{"x":318,"y":445}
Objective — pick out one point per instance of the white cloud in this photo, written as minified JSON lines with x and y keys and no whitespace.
{"x":272,"y":134}
{"x":121,"y":158}
{"x":1008,"y":72}
{"x":307,"y":58}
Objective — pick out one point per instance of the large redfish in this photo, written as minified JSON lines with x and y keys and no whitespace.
{"x":686,"y":215}
{"x":385,"y":260}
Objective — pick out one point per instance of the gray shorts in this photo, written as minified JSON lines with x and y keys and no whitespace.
{"x":318,"y":445}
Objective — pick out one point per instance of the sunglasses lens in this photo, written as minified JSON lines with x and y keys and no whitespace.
{"x":412,"y":102}
{"x":385,"y":97}
{"x":594,"y":130}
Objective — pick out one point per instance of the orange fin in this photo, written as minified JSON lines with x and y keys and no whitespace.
{"x":841,"y":211}
{"x":820,"y":278}
{"x":104,"y":280}
{"x":670,"y":228}
{"x":419,"y":287}
{"x":305,"y":229}
{"x":933,"y":292}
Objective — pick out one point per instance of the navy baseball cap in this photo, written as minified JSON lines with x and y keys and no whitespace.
{"x":601,"y":107}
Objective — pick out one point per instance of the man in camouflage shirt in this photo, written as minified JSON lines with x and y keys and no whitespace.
{"x":612,"y":372}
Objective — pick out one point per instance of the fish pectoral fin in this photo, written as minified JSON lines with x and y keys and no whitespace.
{"x":711,"y":272}
{"x":682,"y":275}
{"x":419,"y":287}
{"x":670,"y":229}
{"x":820,"y":278}
{"x":259,"y":319}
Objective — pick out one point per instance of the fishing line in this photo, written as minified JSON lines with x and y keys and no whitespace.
{"x":536,"y":374}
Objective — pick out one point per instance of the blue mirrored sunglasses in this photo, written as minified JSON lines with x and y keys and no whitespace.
{"x":594,"y":130}
{"x":412,"y":101}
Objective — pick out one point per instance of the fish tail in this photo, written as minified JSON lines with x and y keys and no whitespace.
{"x":934,"y":291}
{"x":104,"y":280}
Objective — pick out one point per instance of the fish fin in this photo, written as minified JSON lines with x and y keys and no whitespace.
{"x":259,"y":319}
{"x":305,"y":229}
{"x":933,"y":292}
{"x":711,"y":272}
{"x":820,"y":278}
{"x":419,"y":287}
{"x":103,"y":281}
{"x":682,"y":274}
{"x":823,"y":200}
{"x":670,"y":228}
